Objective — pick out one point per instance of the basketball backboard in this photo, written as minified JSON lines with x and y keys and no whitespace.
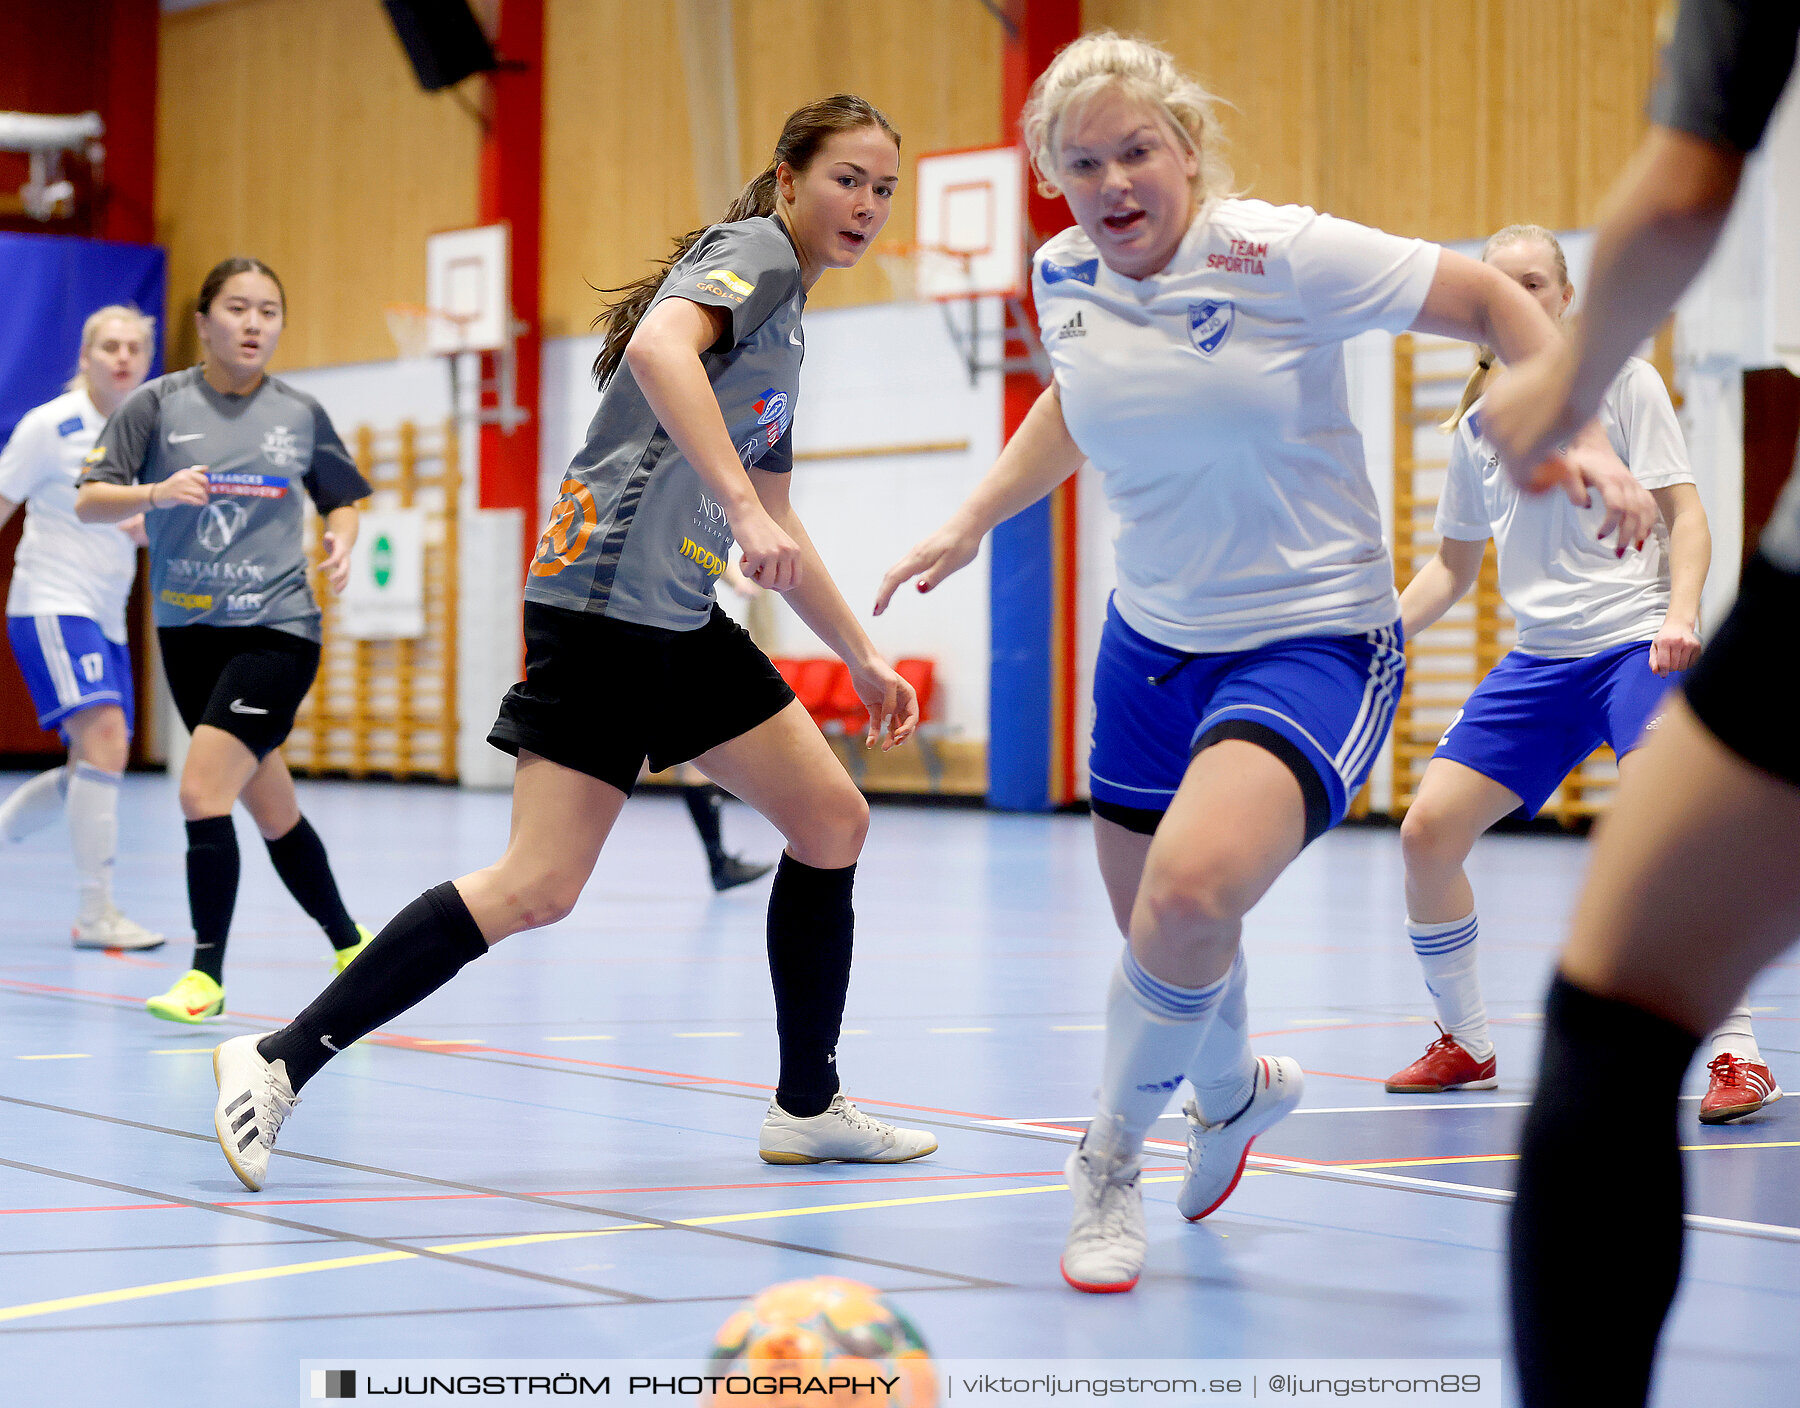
{"x":970,"y":227}
{"x":466,"y":277}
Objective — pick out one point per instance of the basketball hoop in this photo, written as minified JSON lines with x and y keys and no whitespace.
{"x":410,"y":325}
{"x":920,"y":273}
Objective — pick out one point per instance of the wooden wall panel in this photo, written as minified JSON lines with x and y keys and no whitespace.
{"x":617,"y":184}
{"x":295,"y":131}
{"x":933,"y":66}
{"x":616,"y":141}
{"x":1439,"y":118}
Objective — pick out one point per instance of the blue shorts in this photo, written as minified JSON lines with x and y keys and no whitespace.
{"x":69,"y":665}
{"x":1322,"y":704}
{"x":1534,"y":718}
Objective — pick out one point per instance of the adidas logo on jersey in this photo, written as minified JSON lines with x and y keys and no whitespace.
{"x":1073,"y":328}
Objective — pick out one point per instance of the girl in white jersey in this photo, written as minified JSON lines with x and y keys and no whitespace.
{"x":1251,"y":655}
{"x":65,"y":617}
{"x":1601,"y":638}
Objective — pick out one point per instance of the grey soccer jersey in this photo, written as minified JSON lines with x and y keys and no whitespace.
{"x":634,"y":536}
{"x":239,"y":561}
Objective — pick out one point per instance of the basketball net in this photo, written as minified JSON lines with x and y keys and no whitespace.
{"x":409,"y":324}
{"x":923,"y":273}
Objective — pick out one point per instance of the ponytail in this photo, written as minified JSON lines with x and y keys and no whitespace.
{"x":802,"y":135}
{"x":1472,"y":388}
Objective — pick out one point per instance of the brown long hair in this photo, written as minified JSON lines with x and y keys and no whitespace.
{"x":805,"y":131}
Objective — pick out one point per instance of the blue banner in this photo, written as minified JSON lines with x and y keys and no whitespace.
{"x":48,"y":286}
{"x":1020,"y":585}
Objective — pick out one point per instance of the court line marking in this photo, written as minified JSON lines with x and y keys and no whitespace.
{"x":404,"y":1176}
{"x":550,"y":1193}
{"x":1273,"y":1165}
{"x":58,"y":1056}
{"x":487,"y":1053}
{"x":335,"y":1234}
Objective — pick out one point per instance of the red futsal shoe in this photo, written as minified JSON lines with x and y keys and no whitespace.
{"x":1737,"y":1088}
{"x":1446,"y":1065}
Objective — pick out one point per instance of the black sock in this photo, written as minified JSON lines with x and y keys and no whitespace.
{"x":422,"y":948}
{"x":300,"y":861}
{"x":1598,"y":1216}
{"x":704,"y":804}
{"x":212,"y":879}
{"x":810,"y":931}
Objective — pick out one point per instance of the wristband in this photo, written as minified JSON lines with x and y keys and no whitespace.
{"x":153,"y":484}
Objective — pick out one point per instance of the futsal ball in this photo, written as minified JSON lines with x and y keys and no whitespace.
{"x":831,"y":1330}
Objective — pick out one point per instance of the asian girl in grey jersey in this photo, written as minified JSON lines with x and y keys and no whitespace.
{"x":628,"y":655}
{"x":216,"y":457}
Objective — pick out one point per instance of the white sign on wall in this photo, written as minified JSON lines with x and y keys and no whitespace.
{"x":385,"y":597}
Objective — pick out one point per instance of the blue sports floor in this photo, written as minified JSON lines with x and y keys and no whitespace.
{"x":556,"y":1154}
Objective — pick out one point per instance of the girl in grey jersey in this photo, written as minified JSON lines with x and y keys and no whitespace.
{"x":215,"y":458}
{"x":628,"y":656}
{"x":65,"y":617}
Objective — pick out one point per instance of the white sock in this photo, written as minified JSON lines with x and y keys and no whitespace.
{"x":93,"y":811}
{"x":34,"y":805}
{"x":1447,"y":954}
{"x":1153,"y":1031}
{"x":1223,"y":1072}
{"x":1735,"y":1035}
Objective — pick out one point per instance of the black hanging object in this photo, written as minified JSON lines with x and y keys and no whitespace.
{"x":443,"y":40}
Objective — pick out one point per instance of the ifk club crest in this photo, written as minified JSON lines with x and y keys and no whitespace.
{"x":280,"y":446}
{"x":1210,"y":323}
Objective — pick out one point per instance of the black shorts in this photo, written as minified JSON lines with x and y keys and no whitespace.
{"x":1740,"y":689}
{"x":600,"y":696}
{"x":247,"y":680}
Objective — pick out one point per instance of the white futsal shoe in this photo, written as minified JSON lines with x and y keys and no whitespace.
{"x":254,"y":1098}
{"x":110,"y":929}
{"x":1107,"y":1241}
{"x":843,"y":1134}
{"x":1216,"y":1153}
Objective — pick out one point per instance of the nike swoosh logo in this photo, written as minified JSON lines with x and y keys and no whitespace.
{"x":326,"y":1042}
{"x":183,"y":439}
{"x":239,"y":707}
{"x":794,"y":337}
{"x":198,"y":1011}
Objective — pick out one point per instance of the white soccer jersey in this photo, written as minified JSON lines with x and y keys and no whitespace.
{"x":1570,"y":592}
{"x":1211,"y":398}
{"x":64,"y":567}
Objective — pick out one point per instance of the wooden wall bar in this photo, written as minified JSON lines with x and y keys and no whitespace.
{"x":293,"y":129}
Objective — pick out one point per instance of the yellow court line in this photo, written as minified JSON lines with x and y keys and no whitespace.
{"x":231,"y":1278}
{"x":58,"y":1056}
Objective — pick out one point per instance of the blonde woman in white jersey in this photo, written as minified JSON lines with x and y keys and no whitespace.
{"x":65,"y":618}
{"x":1252,"y":653}
{"x":1601,"y":639}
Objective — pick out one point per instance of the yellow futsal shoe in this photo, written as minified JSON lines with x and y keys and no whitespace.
{"x":344,"y":957}
{"x":193,"y":998}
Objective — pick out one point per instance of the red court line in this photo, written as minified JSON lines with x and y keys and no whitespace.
{"x":552,"y":1193}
